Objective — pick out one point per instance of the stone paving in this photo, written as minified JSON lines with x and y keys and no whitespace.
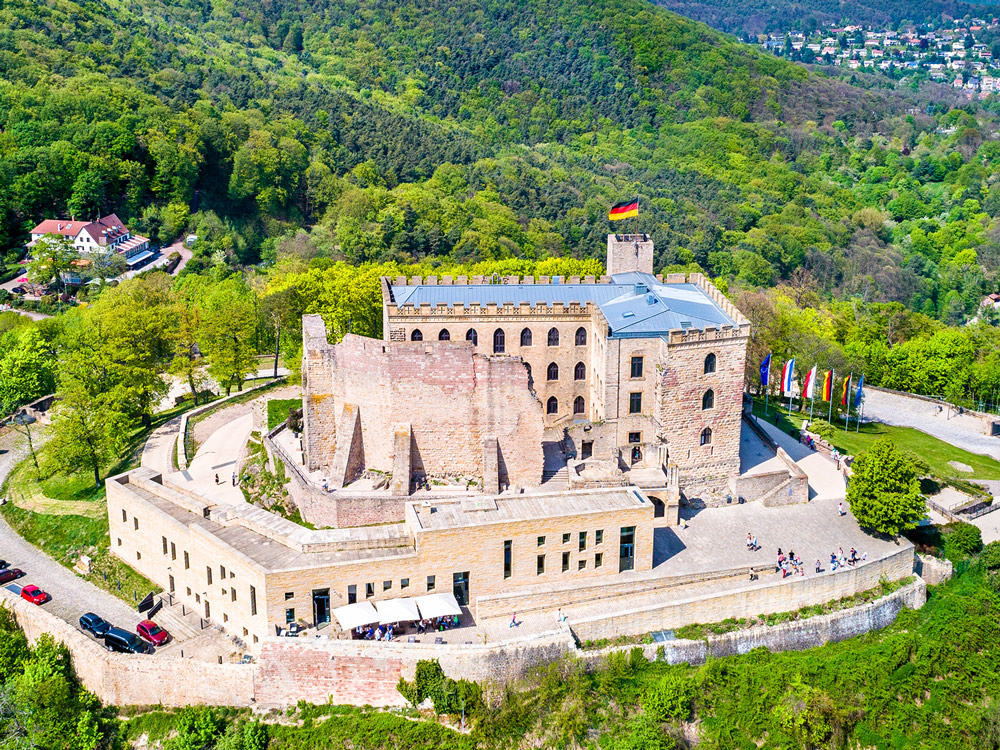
{"x":963,"y":431}
{"x":217,"y":457}
{"x":825,"y":481}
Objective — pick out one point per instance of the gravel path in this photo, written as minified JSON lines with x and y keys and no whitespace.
{"x":965,"y":431}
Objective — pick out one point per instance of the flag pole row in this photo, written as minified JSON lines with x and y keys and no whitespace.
{"x":848,"y":395}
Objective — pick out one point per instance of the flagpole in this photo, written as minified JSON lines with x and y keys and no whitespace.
{"x":833,"y":377}
{"x":847,"y":403}
{"x":767,"y":385}
{"x":862,"y":412}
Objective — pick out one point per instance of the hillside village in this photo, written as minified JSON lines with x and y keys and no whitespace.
{"x":967,"y":56}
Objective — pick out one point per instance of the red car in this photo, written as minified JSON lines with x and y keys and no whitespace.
{"x":151,"y":632}
{"x":33,"y":594}
{"x":10,"y":574}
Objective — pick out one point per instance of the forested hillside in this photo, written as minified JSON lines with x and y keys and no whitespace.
{"x":458,"y":132}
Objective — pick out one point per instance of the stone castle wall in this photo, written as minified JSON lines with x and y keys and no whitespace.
{"x":451,"y":398}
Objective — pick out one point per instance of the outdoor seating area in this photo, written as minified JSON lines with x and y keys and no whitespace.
{"x":389,"y":619}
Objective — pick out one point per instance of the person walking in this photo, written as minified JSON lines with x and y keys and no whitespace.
{"x":819,"y":567}
{"x":840,"y":509}
{"x":513,"y":621}
{"x":216,"y":478}
{"x":755,"y":546}
{"x":234,"y":479}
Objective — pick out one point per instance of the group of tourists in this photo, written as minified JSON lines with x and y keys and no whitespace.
{"x":790,"y":564}
{"x":838,"y":559}
{"x":368,"y":633}
{"x":437,"y":623}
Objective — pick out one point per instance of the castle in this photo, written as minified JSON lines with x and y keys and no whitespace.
{"x":625,"y":376}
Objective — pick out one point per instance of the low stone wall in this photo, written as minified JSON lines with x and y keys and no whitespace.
{"x":933,"y":570}
{"x":793,"y":492}
{"x":366,"y":672}
{"x":750,"y":601}
{"x":137,"y":680}
{"x":788,"y":636}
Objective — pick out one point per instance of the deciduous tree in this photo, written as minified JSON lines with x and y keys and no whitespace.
{"x":884,"y":492}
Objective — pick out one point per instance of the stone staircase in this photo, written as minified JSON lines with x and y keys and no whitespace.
{"x":555,"y":479}
{"x":181,"y":627}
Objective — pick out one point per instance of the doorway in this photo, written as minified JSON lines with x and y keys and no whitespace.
{"x":460,"y":587}
{"x":321,"y":606}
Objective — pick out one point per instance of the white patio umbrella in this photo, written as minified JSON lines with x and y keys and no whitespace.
{"x":438,"y":605}
{"x":397,"y":610}
{"x":351,"y":616}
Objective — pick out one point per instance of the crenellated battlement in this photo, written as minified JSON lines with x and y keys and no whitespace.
{"x":495,"y":280}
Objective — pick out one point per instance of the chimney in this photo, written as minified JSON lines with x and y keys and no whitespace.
{"x":641,"y":289}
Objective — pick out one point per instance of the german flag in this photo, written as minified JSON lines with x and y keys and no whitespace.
{"x":828,"y":385}
{"x":624,"y":210}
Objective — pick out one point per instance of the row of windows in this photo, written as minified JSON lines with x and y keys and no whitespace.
{"x":579,"y":371}
{"x":566,"y":538}
{"x":352,"y":590}
{"x":552,"y":405}
{"x":580,"y":564}
{"x":500,"y":338}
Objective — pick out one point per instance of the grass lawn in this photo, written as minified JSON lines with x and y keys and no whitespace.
{"x":65,"y":515}
{"x":277,"y":410}
{"x":935,"y":452}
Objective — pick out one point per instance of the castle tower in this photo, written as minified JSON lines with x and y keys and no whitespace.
{"x":629,"y":252}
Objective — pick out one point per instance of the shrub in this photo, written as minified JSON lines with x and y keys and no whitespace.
{"x":991,"y":556}
{"x":448,"y":696}
{"x":962,"y":540}
{"x":671,"y":698}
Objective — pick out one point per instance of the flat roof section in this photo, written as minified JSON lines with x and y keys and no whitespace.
{"x":489,"y":511}
{"x":636,"y":305}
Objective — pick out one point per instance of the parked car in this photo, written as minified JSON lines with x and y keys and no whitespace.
{"x":17,"y":290}
{"x":33,"y":594}
{"x":3,"y":564}
{"x":151,"y":632}
{"x":124,"y":642}
{"x":94,"y":624}
{"x":10,"y":574}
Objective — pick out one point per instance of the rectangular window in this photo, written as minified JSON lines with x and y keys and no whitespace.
{"x":289,"y":616}
{"x":581,"y":564}
{"x":222,"y":572}
{"x":626,"y":549}
{"x":540,"y":565}
{"x":598,"y":559}
{"x":507,"y":558}
{"x":583,"y":540}
{"x":138,"y":555}
{"x":232,"y":595}
{"x":565,"y":538}
{"x":635,"y":403}
{"x":164,"y":544}
{"x":187,"y":561}
{"x":225,"y":617}
{"x":430,"y":583}
{"x":541,"y":541}
{"x":124,"y":515}
{"x":245,"y":632}
{"x":208,"y":574}
{"x":289,"y":595}
{"x":208,"y":610}
{"x":173,"y":551}
{"x":386,"y":585}
{"x":369,"y":590}
{"x":255,"y":639}
{"x":171,"y":584}
{"x":636,"y":367}
{"x":565,"y":562}
{"x":635,"y":437}
{"x":404,"y":583}
{"x":352,"y":594}
{"x":119,"y":541}
{"x":599,"y":536}
{"x":135,"y":523}
{"x":189,"y":591}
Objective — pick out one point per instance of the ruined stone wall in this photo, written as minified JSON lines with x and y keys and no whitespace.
{"x":451,"y":398}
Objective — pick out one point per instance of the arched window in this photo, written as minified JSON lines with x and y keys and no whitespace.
{"x":706,"y":436}
{"x":472,"y":336}
{"x":444,"y":335}
{"x":581,"y":336}
{"x":708,"y":400}
{"x":580,"y":371}
{"x":578,"y":405}
{"x":526,"y":337}
{"x":553,"y":337}
{"x":552,"y":373}
{"x":552,"y":405}
{"x":416,"y":335}
{"x":498,"y":341}
{"x":709,"y":364}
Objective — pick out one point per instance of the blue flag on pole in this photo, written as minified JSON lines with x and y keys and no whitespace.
{"x":765,"y":370}
{"x":858,"y":394}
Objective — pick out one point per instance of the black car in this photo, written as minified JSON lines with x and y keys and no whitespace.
{"x":3,"y":564}
{"x":94,"y":624}
{"x":124,"y":642}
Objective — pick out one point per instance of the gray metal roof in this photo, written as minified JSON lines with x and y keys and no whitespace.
{"x":636,"y":305}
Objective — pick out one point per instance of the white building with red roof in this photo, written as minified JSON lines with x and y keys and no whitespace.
{"x":106,"y":234}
